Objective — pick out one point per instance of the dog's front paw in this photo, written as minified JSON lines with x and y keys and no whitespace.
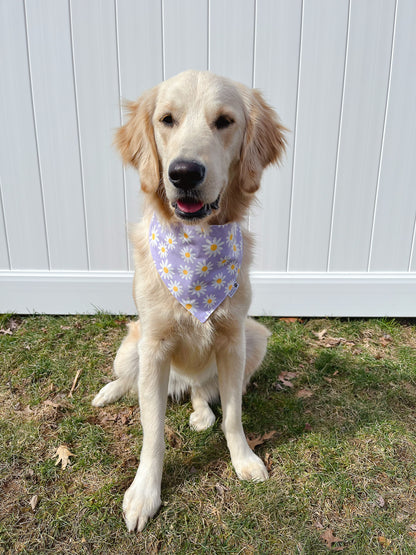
{"x":141,"y":502}
{"x":107,"y":394}
{"x":251,"y":468}
{"x":202,"y":419}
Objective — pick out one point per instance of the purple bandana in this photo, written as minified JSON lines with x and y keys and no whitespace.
{"x":199,"y":267}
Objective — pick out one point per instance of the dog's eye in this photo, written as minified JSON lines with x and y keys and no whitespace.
{"x":167,"y":120}
{"x":223,"y":121}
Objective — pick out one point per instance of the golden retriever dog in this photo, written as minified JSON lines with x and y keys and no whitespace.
{"x":200,"y":143}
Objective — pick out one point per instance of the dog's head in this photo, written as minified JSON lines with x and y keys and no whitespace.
{"x":200,"y":143}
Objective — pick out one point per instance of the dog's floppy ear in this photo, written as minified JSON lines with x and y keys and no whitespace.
{"x":264,"y":141}
{"x":136,"y":142}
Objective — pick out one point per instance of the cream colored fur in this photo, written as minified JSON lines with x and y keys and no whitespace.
{"x":168,"y":351}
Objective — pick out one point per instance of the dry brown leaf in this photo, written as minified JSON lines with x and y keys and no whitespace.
{"x":49,"y":403}
{"x":285,"y":377}
{"x":33,"y":502}
{"x":63,"y":454}
{"x":254,"y":440}
{"x":291,"y":320}
{"x":13,"y":325}
{"x":289,"y":375}
{"x":6,"y":332}
{"x":268,"y":461}
{"x":326,"y":340}
{"x":386,"y":340}
{"x":172,"y":437}
{"x":329,"y":539}
{"x":381,"y":501}
{"x":304,"y":394}
{"x":221,"y":489}
{"x":383,"y":541}
{"x":320,"y":334}
{"x":334,"y":341}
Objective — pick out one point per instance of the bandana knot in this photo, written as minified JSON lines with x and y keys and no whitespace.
{"x":199,"y":266}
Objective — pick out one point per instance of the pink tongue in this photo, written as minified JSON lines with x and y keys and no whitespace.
{"x":189,"y":206}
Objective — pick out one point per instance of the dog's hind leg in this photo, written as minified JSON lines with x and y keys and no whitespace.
{"x":203,"y":418}
{"x":126,"y":368}
{"x":256,"y":346}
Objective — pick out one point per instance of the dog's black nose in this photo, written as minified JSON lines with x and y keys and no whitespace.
{"x":186,"y":174}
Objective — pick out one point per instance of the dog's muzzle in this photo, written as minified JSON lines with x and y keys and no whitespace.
{"x":187,"y":176}
{"x":192,"y":209}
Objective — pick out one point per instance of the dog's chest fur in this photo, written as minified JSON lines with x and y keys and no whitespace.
{"x":189,"y":341}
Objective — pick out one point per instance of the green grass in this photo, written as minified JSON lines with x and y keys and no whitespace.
{"x":342,"y":457}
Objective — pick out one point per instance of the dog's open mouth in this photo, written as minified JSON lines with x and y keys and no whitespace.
{"x":191,"y":209}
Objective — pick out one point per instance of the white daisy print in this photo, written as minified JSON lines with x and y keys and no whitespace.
{"x":187,"y":254}
{"x":189,"y":304}
{"x":170,"y":241}
{"x":202,"y":231}
{"x":219,"y":280}
{"x":231,"y":286}
{"x":185,"y":271}
{"x":235,"y":249}
{"x":199,"y":288}
{"x":203,"y":268}
{"x":213,"y":247}
{"x":231,"y":235}
{"x":163,"y":251}
{"x":154,"y":236}
{"x":223,"y":262}
{"x":209,"y":301}
{"x":233,"y":268}
{"x":186,"y":235}
{"x":175,"y":287}
{"x":166,"y":269}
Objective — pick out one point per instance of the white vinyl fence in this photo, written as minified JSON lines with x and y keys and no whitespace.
{"x":335,"y":226}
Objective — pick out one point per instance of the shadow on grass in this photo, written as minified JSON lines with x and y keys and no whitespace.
{"x":347,"y":393}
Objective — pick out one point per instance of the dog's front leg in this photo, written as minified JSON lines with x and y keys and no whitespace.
{"x":142,"y":499}
{"x":230,"y":363}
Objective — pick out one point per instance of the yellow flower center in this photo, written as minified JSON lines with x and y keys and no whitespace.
{"x":188,"y":306}
{"x":197,"y":288}
{"x":166,"y":269}
{"x":219,"y":280}
{"x":204,"y":268}
{"x":188,"y":254}
{"x":213,"y":248}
